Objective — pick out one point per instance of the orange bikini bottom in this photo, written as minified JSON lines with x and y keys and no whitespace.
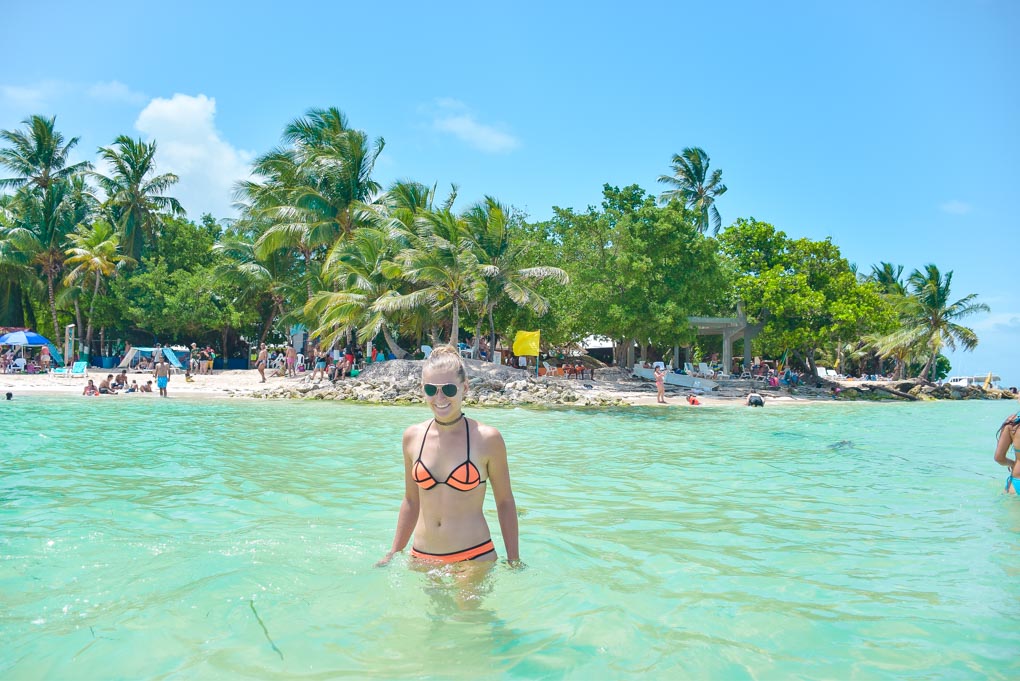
{"x":457,"y":556}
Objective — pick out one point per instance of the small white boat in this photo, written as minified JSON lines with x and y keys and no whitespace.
{"x":991,"y":379}
{"x":673,"y":378}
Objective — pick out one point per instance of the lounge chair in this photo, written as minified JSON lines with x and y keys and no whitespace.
{"x":77,"y":369}
{"x":705,"y":370}
{"x":821,"y":371}
{"x":688,"y":369}
{"x":18,"y":365}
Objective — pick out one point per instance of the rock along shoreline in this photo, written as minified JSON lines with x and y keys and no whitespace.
{"x":399,"y":382}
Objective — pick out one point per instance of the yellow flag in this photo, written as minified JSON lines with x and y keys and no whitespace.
{"x":526,"y":343}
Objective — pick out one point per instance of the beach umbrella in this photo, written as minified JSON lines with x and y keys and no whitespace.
{"x":23,"y":338}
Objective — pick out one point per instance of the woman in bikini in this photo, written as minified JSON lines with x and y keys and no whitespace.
{"x":1009,"y":435}
{"x":660,"y":385}
{"x":449,"y":460}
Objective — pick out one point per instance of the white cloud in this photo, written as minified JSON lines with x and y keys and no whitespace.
{"x":30,"y":99}
{"x":1005,"y":322}
{"x":115,"y":91}
{"x":190,"y":146}
{"x":453,"y":117}
{"x":955,"y":207}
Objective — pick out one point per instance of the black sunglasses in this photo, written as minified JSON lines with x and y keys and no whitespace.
{"x":449,"y":389}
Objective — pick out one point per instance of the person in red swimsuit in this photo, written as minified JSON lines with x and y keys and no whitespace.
{"x":449,"y":460}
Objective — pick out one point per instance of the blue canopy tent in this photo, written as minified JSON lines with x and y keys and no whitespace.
{"x":148,"y":352}
{"x":31,"y":339}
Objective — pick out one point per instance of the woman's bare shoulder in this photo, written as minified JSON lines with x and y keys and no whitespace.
{"x":415,"y":429}
{"x":488,"y":435}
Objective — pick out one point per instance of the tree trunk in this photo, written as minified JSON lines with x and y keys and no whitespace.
{"x":478,"y":334}
{"x":226,"y":331}
{"x":308,"y":271}
{"x":492,"y":337}
{"x":392,"y":343}
{"x":269,"y":321}
{"x":455,"y":331}
{"x":927,"y":367}
{"x":92,"y":309}
{"x":53,"y":300}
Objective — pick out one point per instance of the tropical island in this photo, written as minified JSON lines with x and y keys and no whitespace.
{"x":319,"y":245}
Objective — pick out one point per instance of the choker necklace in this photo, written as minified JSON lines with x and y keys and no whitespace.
{"x":449,"y":423}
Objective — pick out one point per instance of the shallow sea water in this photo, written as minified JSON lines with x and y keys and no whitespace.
{"x":174,"y":539}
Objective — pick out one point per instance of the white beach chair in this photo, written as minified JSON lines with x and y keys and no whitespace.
{"x":821,"y":371}
{"x":705,"y":370}
{"x":688,"y":369}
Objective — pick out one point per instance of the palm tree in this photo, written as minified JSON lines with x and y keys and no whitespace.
{"x":134,"y":196}
{"x":94,"y":252}
{"x":936,"y":318}
{"x":267,"y":281}
{"x":889,"y":278}
{"x":38,"y":155}
{"x":46,"y":219}
{"x":694,"y":188}
{"x":311,"y":191}
{"x":442,"y":261}
{"x":15,"y":264}
{"x":358,"y":268}
{"x":49,"y":202}
{"x":500,"y":260}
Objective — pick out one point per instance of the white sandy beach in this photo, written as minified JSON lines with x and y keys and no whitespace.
{"x":246,"y":384}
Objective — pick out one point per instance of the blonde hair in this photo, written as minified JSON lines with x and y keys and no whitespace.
{"x":446,"y":358}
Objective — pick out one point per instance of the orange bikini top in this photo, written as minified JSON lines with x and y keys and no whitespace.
{"x":463,"y":478}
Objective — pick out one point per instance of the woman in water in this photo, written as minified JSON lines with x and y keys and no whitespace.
{"x":449,"y":460}
{"x":1009,"y":434}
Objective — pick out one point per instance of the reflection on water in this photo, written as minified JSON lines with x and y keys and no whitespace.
{"x":225,"y":539}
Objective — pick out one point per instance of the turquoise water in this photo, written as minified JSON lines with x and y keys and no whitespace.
{"x":173,"y":539}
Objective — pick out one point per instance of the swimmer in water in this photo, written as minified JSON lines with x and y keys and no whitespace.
{"x":449,"y":460}
{"x":1009,"y":436}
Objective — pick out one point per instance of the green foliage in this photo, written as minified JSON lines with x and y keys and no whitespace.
{"x":176,"y":306}
{"x":637,"y":270}
{"x":321,"y":243}
{"x":804,"y":291}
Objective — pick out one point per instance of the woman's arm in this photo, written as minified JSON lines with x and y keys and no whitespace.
{"x":1002,"y":446}
{"x":499,"y":480}
{"x":408,"y":516}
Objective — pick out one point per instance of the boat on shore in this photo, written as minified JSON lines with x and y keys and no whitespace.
{"x":988,"y":380}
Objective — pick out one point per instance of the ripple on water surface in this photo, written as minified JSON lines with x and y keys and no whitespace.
{"x":143,"y":538}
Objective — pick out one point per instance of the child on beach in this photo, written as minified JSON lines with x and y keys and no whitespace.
{"x":449,"y":460}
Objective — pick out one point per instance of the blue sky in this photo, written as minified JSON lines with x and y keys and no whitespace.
{"x":891,"y":127}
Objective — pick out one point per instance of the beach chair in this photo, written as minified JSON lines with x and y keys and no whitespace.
{"x":705,"y":370}
{"x":688,"y":369}
{"x":18,"y":365}
{"x":78,"y":369}
{"x":821,"y":371}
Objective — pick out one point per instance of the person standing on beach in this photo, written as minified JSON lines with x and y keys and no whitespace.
{"x":291,"y":361}
{"x":660,"y":385}
{"x":262,"y":361}
{"x":449,"y":460}
{"x":1009,"y":436}
{"x":162,"y":374}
